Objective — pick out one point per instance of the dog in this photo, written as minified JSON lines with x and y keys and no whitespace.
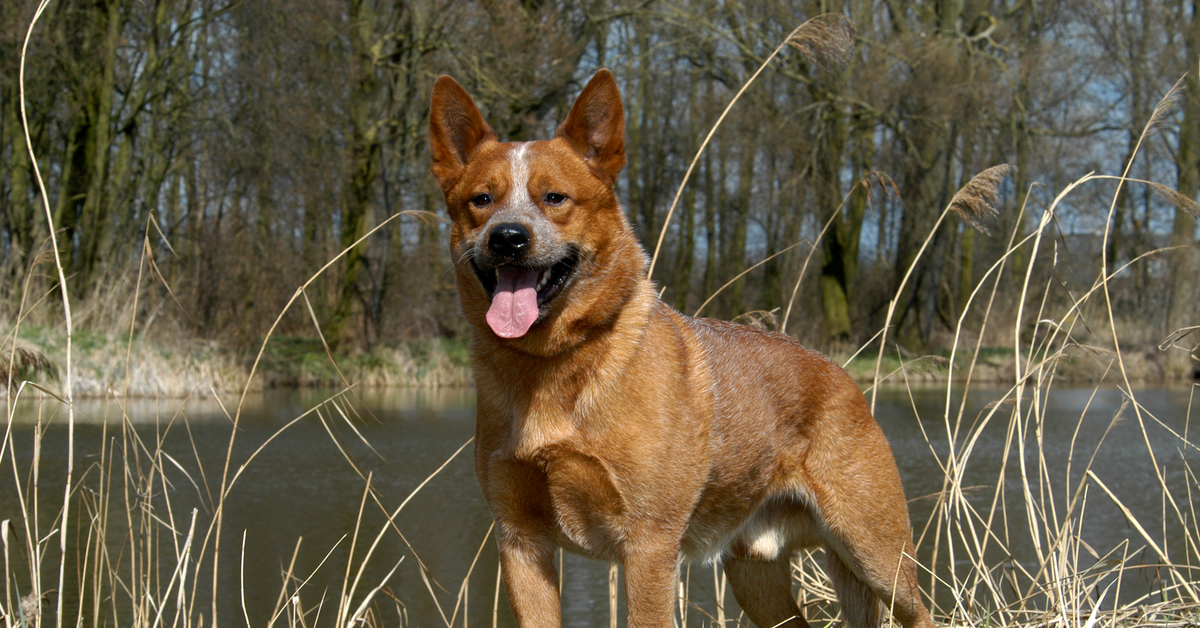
{"x":615,"y":427}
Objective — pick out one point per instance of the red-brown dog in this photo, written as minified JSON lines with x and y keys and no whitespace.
{"x":613,"y":426}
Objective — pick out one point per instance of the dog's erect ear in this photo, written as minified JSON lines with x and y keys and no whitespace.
{"x":456,"y":129}
{"x":596,"y":125}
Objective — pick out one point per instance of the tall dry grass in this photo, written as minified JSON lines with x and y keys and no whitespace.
{"x":973,"y":577}
{"x":118,"y":551}
{"x":109,"y":546}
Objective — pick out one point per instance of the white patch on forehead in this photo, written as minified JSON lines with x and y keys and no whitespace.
{"x":518,"y":160}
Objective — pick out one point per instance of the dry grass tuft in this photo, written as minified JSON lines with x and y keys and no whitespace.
{"x":760,"y":319}
{"x":825,"y":41}
{"x":1179,"y":201}
{"x":975,"y":203}
{"x":22,"y":362}
{"x":1164,"y":106}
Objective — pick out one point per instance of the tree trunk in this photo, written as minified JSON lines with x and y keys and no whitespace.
{"x":95,"y":234}
{"x":735,"y":262}
{"x":686,"y":249}
{"x":1184,"y":260}
{"x":364,"y":149}
{"x":835,"y":273}
{"x":18,"y":212}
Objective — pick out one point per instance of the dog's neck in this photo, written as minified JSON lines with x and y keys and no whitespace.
{"x":550,"y":398}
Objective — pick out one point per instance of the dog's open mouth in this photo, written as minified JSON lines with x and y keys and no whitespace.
{"x":518,"y":293}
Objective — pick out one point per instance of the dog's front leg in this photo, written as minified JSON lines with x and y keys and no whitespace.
{"x":651,"y":574}
{"x":531,"y":580}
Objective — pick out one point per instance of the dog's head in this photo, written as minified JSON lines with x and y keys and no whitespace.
{"x":542,"y":250}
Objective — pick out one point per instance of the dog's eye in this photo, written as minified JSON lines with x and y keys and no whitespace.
{"x":481,"y":200}
{"x":554,"y":198}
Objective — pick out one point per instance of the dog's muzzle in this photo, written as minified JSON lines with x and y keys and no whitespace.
{"x":518,"y":287}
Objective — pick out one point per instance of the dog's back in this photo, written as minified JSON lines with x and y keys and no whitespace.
{"x":831,"y":478}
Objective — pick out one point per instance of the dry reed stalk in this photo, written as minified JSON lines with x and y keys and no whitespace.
{"x":971,"y":200}
{"x":146,"y":602}
{"x":997,"y":268}
{"x":742,"y":274}
{"x":1168,"y":101}
{"x":461,"y":601}
{"x":344,"y":598}
{"x":62,"y":284}
{"x":1060,"y":567}
{"x":496,"y":598}
{"x":215,"y":529}
{"x":955,"y":464}
{"x":390,"y":523}
{"x":288,"y":576}
{"x":293,"y":606}
{"x":613,"y":579}
{"x":378,"y":502}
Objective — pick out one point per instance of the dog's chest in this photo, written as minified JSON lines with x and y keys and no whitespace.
{"x":590,"y":511}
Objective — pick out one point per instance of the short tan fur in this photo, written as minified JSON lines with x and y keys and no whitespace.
{"x":613,"y":426}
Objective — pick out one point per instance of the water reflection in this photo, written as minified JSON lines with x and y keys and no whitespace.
{"x":303,"y":492}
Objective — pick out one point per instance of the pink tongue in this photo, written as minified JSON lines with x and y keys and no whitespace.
{"x":514,"y":306}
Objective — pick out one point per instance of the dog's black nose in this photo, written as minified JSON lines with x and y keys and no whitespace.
{"x":508,"y":239}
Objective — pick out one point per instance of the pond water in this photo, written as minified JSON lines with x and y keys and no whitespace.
{"x":305,"y":488}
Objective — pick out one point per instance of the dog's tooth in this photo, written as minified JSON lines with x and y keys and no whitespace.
{"x":543,"y":279}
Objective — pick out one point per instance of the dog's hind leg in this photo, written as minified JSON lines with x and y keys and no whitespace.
{"x":764,"y":590}
{"x":866,"y":534}
{"x":860,"y":606}
{"x":871,"y":580}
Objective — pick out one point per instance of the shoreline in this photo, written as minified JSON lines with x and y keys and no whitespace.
{"x":108,"y":368}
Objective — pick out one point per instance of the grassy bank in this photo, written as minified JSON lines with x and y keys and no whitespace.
{"x":1076,"y":365}
{"x":108,"y":365}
